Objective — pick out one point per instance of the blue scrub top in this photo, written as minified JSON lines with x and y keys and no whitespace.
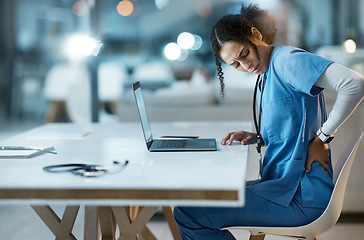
{"x":293,"y":109}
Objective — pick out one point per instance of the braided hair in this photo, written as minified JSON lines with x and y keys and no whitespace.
{"x":237,"y":28}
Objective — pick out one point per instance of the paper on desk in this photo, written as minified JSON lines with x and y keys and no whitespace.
{"x":59,"y":135}
{"x":25,"y":153}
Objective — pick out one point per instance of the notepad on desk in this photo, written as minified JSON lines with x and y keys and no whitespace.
{"x":24,"y":152}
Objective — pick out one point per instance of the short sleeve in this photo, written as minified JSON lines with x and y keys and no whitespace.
{"x":300,"y":69}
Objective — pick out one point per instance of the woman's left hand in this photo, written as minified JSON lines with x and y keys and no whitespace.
{"x":317,"y":151}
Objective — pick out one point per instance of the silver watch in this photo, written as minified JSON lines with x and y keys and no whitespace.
{"x":324,"y":138}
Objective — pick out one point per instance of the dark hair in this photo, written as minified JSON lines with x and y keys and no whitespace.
{"x":238,"y":28}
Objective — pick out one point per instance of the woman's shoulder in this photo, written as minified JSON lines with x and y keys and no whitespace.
{"x":286,"y":51}
{"x":291,"y":56}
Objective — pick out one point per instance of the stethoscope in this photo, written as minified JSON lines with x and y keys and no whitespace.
{"x":87,"y":170}
{"x":257,"y":122}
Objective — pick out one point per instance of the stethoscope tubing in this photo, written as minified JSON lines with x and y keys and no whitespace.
{"x":85,"y":170}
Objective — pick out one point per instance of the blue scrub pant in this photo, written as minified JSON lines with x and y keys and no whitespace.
{"x":199,"y":223}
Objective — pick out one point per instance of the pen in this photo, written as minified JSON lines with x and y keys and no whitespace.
{"x":24,"y":148}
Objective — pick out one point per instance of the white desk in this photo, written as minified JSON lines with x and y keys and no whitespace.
{"x":150,"y":179}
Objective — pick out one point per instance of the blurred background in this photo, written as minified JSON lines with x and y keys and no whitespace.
{"x":75,"y":61}
{"x":58,"y":58}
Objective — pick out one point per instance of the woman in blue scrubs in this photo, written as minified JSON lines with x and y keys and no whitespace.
{"x":295,"y":181}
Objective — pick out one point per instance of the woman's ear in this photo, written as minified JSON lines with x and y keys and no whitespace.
{"x":256,"y":33}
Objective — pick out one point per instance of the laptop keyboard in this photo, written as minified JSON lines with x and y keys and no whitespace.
{"x":172,"y":144}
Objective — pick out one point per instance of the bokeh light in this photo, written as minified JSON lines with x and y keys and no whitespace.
{"x":80,"y":8}
{"x":198,"y":42}
{"x":160,"y":4}
{"x":78,"y":46}
{"x":185,"y":40}
{"x":172,"y":51}
{"x":350,"y":46}
{"x":125,"y":8}
{"x":203,"y":8}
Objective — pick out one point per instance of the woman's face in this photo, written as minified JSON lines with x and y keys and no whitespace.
{"x":243,"y":57}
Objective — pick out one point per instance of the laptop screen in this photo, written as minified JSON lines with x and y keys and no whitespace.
{"x":142,"y":112}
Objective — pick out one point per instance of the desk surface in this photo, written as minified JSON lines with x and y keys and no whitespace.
{"x":165,"y":178}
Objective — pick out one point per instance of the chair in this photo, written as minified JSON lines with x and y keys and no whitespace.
{"x":67,"y":88}
{"x":328,"y":218}
{"x":153,"y":75}
{"x":59,"y":81}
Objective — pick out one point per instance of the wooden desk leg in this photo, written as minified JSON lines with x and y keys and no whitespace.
{"x":107,"y":223}
{"x":91,"y":229}
{"x":145,"y":234}
{"x":130,"y":229}
{"x":62,"y":229}
{"x":168,"y":215}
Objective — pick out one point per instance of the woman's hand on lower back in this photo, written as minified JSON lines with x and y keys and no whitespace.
{"x":319,"y":152}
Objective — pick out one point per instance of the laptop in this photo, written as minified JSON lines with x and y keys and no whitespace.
{"x":165,"y":145}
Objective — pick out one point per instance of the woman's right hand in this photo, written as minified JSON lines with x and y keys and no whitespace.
{"x":242,"y":136}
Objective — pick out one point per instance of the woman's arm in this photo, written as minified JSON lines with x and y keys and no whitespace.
{"x":350,"y":88}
